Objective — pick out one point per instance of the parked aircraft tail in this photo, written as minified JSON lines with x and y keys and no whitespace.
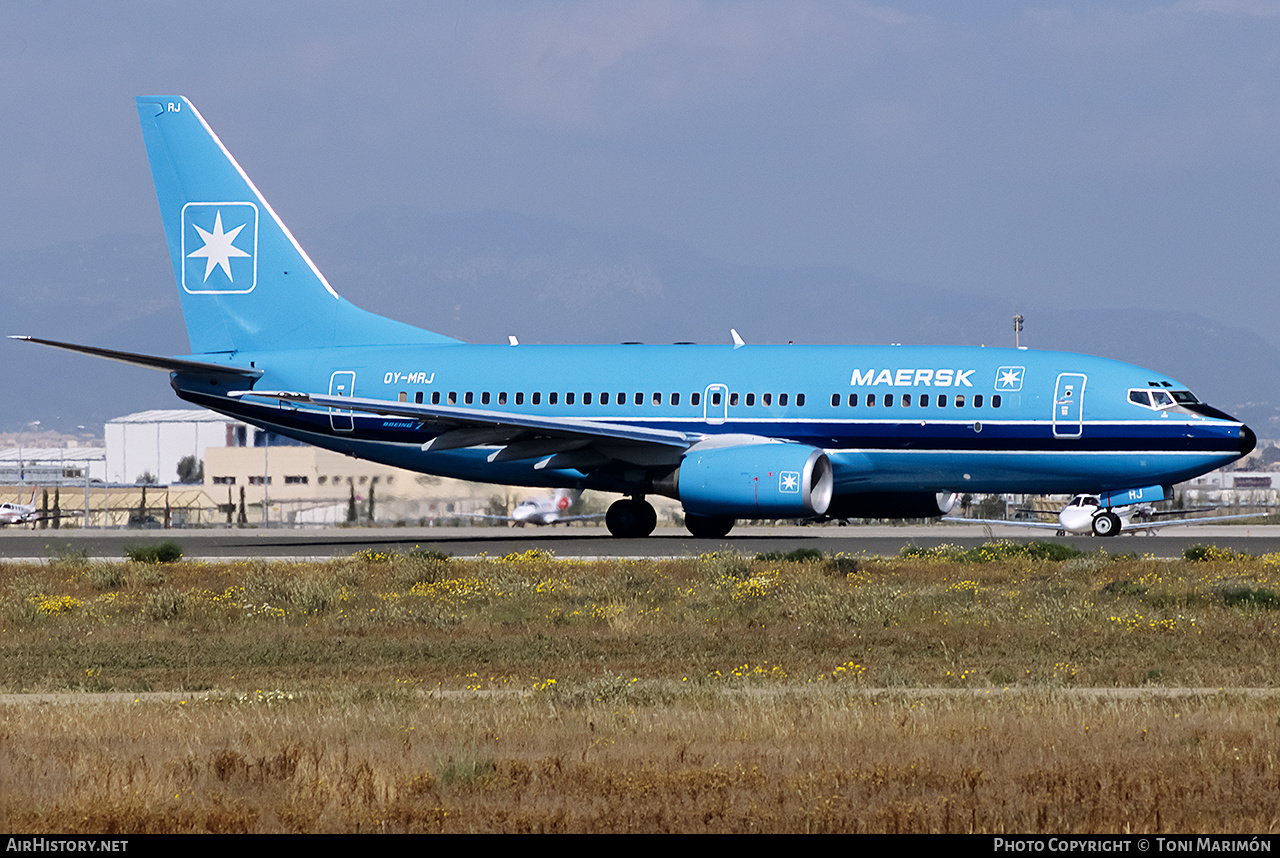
{"x":245,"y":282}
{"x":565,"y":498}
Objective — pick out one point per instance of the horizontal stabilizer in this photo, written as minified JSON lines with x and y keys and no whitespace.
{"x":164,"y":364}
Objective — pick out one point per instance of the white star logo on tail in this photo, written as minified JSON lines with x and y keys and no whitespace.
{"x":218,"y":248}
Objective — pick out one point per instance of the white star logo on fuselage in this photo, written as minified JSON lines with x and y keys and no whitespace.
{"x":218,"y":248}
{"x":1010,"y":378}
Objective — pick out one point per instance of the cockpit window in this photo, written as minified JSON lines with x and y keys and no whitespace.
{"x":1161,"y":399}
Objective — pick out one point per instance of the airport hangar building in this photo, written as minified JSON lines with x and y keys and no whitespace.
{"x":300,"y":484}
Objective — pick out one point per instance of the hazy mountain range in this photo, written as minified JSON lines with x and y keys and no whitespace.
{"x":483,"y":276}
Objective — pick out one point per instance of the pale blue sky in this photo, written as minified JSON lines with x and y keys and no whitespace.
{"x":1084,"y":153}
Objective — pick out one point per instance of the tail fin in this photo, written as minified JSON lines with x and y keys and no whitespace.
{"x":565,"y":498}
{"x":244,"y":281}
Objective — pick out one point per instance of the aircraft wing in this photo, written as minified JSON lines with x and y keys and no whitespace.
{"x":1156,"y":525}
{"x":1129,"y":527}
{"x":560,"y":519}
{"x":566,"y":441}
{"x":1039,"y":525}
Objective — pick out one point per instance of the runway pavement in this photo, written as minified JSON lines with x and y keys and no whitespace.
{"x":594,"y":541}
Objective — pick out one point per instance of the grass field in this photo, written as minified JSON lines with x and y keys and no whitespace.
{"x":940,"y":690}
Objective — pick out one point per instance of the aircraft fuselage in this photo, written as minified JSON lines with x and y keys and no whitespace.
{"x":891,"y":418}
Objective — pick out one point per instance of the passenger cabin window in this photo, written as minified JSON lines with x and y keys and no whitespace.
{"x":484,"y":398}
{"x":435,"y":397}
{"x":977,"y":400}
{"x":404,"y":396}
{"x":453,"y":397}
{"x":568,"y":398}
{"x":417,"y":398}
{"x":782,"y":399}
{"x":468,"y":397}
{"x":800,"y":400}
{"x":657,"y":398}
{"x":924,"y":400}
{"x":695,"y":399}
{"x":835,"y":400}
{"x":553,"y":398}
{"x":639,"y":400}
{"x":586,"y":398}
{"x":959,"y":400}
{"x":853,"y":400}
{"x":675,"y":399}
{"x":996,"y":400}
{"x":733,"y":399}
{"x":767,"y":399}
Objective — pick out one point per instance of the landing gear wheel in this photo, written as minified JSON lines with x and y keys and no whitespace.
{"x":630,"y":518}
{"x":708,"y":526}
{"x":1106,"y":524}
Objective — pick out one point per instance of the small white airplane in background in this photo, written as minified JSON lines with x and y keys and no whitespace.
{"x":20,"y":513}
{"x":1086,"y":514}
{"x":545,"y":510}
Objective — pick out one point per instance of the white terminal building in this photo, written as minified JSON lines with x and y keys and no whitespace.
{"x":52,"y":466}
{"x":246,"y":467}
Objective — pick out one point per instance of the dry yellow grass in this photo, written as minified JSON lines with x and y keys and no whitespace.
{"x":720,"y":693}
{"x":787,"y":762}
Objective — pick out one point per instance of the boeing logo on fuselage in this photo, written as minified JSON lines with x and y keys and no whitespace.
{"x":913,"y":377}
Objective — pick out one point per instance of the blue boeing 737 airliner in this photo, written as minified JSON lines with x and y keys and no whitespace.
{"x":733,"y":431}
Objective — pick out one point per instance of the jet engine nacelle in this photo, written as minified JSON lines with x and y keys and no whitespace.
{"x":893,"y":505}
{"x":756,"y":481}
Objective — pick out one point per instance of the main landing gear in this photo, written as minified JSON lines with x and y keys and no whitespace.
{"x":631,"y":517}
{"x":1106,"y":524}
{"x":708,"y":526}
{"x":635,"y":517}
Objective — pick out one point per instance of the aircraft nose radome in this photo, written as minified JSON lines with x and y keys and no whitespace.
{"x":1248,"y":440}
